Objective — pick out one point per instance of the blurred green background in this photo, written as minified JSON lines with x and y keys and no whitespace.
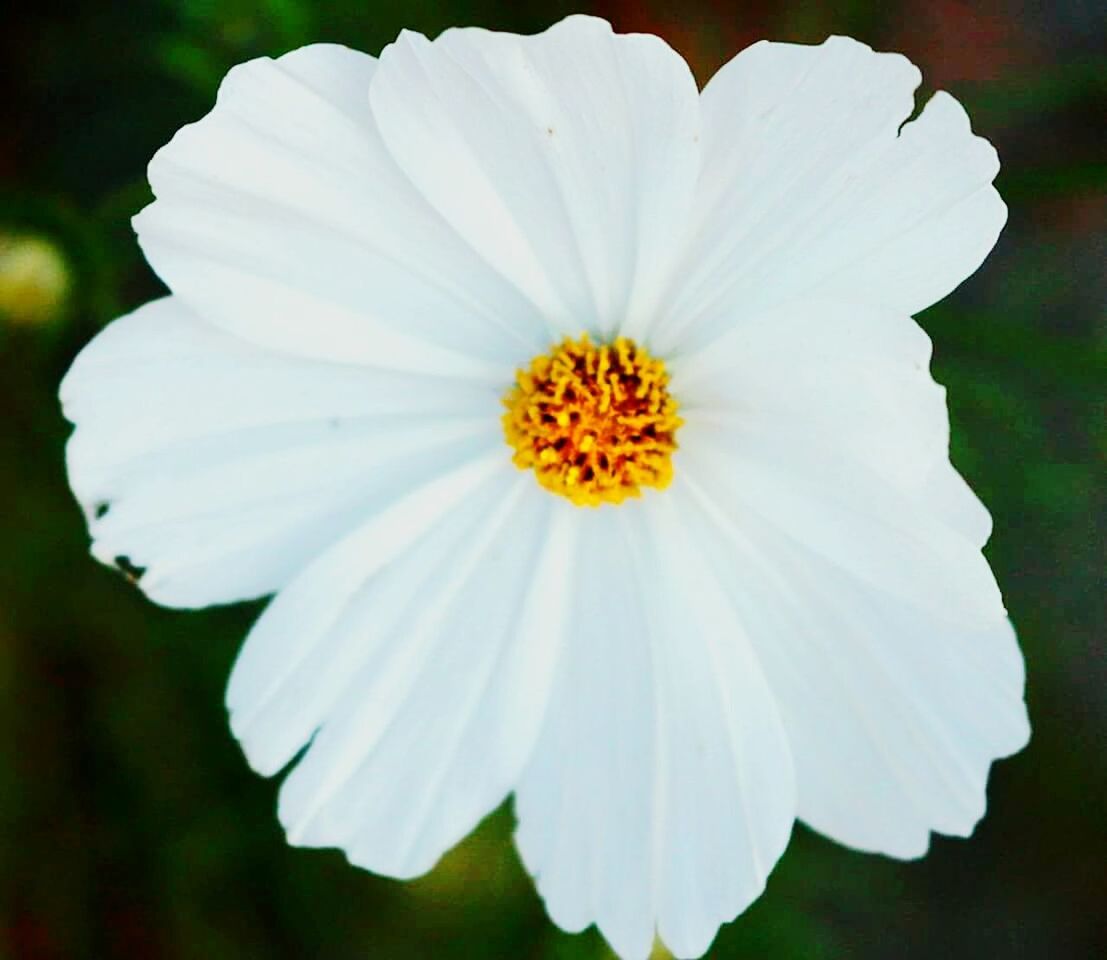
{"x":130,"y":825}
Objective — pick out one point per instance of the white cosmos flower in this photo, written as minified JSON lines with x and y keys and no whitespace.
{"x":361,"y":254}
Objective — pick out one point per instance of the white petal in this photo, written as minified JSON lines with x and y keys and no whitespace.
{"x":954,"y":503}
{"x":281,"y":217}
{"x":894,"y":714}
{"x":812,"y":369}
{"x":661,"y":791}
{"x":810,"y":188}
{"x":221,"y":467}
{"x":820,"y":419}
{"x":842,"y":510}
{"x":422,"y":650}
{"x":567,"y":159}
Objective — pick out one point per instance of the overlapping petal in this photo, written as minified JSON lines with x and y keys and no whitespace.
{"x":416,"y":656}
{"x":567,"y":159}
{"x":661,"y":792}
{"x":220,"y":468}
{"x":817,"y":371}
{"x":893,"y":714}
{"x":811,"y":187}
{"x":281,"y":217}
{"x":818,"y":483}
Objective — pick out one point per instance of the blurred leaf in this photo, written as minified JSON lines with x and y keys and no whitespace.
{"x":1048,"y":88}
{"x":1021,"y":184}
{"x":1033,"y":353}
{"x":191,"y":63}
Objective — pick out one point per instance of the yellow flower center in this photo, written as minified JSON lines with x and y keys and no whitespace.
{"x":594,"y":423}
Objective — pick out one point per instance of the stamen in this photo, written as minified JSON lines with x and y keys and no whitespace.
{"x":595,"y":423}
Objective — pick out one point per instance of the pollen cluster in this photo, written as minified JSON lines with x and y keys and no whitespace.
{"x":594,"y":423}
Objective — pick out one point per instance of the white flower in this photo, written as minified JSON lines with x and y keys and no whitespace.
{"x":362,"y":253}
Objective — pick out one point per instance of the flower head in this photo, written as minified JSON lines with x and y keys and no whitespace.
{"x":34,"y":280}
{"x":596,"y":423}
{"x":578,"y":422}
